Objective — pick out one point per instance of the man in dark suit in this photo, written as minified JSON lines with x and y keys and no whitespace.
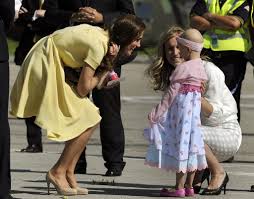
{"x":34,"y":29}
{"x":60,"y":13}
{"x":7,"y":13}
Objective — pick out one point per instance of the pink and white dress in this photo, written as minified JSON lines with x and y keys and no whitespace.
{"x":175,"y":138}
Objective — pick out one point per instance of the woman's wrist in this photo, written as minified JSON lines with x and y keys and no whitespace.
{"x":206,"y":107}
{"x":75,"y":89}
{"x":102,"y":79}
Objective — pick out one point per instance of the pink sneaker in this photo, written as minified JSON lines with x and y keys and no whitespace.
{"x":189,"y":192}
{"x":172,"y":193}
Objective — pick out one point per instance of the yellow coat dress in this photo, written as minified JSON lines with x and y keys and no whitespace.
{"x":40,"y":89}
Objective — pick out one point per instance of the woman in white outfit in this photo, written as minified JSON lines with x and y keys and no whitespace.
{"x":222,"y":133}
{"x":221,"y":130}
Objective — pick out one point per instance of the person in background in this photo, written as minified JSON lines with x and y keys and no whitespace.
{"x":62,"y":108}
{"x":7,"y":13}
{"x":224,"y":22}
{"x":29,"y":18}
{"x":63,"y":13}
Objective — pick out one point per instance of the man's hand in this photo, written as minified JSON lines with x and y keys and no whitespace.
{"x":40,"y":13}
{"x":92,"y":15}
{"x":78,"y":17}
{"x":207,"y":16}
{"x":22,"y":10}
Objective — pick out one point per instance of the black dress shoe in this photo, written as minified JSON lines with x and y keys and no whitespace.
{"x":113,"y":172}
{"x":114,"y":168}
{"x":80,"y":167}
{"x":32,"y":149}
{"x":252,"y":188}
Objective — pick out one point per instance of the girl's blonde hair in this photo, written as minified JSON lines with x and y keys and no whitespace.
{"x":160,"y":70}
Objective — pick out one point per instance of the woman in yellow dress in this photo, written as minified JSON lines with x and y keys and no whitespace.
{"x":41,"y":89}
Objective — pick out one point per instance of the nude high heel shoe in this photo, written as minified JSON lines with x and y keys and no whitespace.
{"x":60,"y":190}
{"x":81,"y":191}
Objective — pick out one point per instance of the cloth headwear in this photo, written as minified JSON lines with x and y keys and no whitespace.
{"x":195,"y":46}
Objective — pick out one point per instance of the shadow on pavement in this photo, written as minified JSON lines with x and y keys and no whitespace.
{"x":124,"y":192}
{"x":26,"y":170}
{"x":31,"y":192}
{"x":241,"y":161}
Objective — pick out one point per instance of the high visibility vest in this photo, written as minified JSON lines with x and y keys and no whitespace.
{"x":223,"y":40}
{"x":251,"y":15}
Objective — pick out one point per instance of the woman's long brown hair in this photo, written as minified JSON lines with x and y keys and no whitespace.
{"x":160,"y":70}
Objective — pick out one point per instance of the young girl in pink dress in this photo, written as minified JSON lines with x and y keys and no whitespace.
{"x":175,"y":137}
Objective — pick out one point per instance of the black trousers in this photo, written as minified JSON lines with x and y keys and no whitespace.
{"x":5,"y":179}
{"x":111,"y":127}
{"x":33,"y":132}
{"x":233,"y":65}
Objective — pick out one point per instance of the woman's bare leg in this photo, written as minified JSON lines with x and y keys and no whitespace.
{"x":72,"y":149}
{"x":217,"y":171}
{"x":70,"y":170}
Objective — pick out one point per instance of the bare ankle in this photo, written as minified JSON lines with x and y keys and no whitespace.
{"x":71,"y":180}
{"x":189,"y":186}
{"x":218,"y":173}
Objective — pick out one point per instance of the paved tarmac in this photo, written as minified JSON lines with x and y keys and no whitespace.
{"x":138,"y":181}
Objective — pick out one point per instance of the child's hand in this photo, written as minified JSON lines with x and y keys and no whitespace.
{"x":149,"y":117}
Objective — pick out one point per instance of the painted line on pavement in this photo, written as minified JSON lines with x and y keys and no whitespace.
{"x":237,"y":165}
{"x":241,"y":174}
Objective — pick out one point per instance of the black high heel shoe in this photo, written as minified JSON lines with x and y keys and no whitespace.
{"x":219,"y":189}
{"x":205,"y":176}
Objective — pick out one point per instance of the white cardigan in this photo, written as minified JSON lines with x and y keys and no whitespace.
{"x":219,"y":96}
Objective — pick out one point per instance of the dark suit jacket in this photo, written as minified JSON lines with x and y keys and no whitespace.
{"x":7,"y":13}
{"x":26,"y":18}
{"x":30,"y":28}
{"x":58,"y":12}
